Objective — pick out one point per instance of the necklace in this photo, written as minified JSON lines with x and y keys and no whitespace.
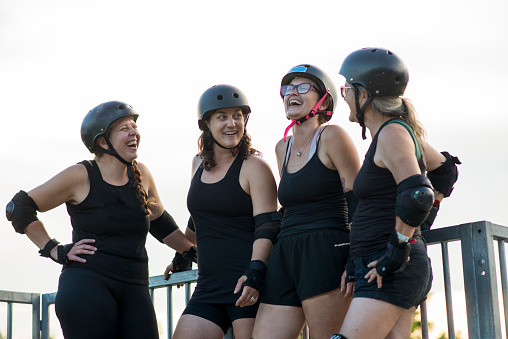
{"x":299,"y":151}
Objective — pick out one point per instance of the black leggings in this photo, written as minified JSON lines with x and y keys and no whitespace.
{"x":91,"y":305}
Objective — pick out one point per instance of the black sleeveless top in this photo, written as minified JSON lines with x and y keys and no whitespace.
{"x":224,"y":224}
{"x":376,"y":190}
{"x":313,"y":198}
{"x":114,"y":217}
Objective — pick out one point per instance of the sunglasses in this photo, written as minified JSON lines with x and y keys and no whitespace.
{"x":344,"y":90}
{"x":300,"y":88}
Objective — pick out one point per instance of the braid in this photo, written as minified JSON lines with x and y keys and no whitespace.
{"x":140,"y":191}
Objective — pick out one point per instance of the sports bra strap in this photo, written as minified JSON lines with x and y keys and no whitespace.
{"x":417,"y":144}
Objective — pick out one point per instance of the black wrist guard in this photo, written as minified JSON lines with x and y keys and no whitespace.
{"x":350,"y":270}
{"x":62,"y":251}
{"x":255,"y":275}
{"x":395,"y":257}
{"x":183,"y":262}
{"x":430,"y":219}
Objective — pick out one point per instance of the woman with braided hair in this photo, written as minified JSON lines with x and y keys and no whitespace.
{"x":392,"y":271}
{"x":113,"y":203}
{"x":232,"y":200}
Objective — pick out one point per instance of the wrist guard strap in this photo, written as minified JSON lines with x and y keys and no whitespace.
{"x":350,"y":270}
{"x":183,"y":262}
{"x":395,"y":258}
{"x":255,"y":275}
{"x":62,"y":251}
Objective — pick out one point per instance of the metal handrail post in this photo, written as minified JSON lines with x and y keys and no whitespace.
{"x":504,"y":280}
{"x":480,"y":283}
{"x":448,"y":290}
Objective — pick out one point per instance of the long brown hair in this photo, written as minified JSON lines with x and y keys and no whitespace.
{"x":205,"y":145}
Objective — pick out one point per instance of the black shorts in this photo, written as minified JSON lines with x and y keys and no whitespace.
{"x":305,"y":265}
{"x":222,"y":315}
{"x":404,"y":289}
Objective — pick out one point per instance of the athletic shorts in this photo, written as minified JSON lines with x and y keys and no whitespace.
{"x":404,"y":289}
{"x":222,"y":315}
{"x":305,"y":265}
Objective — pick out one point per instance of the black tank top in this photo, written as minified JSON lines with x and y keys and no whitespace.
{"x":313,"y":197}
{"x":376,"y":190}
{"x":222,"y":215}
{"x":114,"y":217}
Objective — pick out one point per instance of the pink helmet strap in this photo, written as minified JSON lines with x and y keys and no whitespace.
{"x":312,"y":114}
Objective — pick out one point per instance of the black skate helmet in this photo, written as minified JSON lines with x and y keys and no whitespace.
{"x":221,"y":96}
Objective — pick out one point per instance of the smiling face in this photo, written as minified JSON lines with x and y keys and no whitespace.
{"x":299,"y":105}
{"x":124,"y":137}
{"x":227,"y":126}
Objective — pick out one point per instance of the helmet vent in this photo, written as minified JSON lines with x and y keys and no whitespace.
{"x":389,"y":53}
{"x":397,"y":80}
{"x":121,"y":106}
{"x":373,"y":50}
{"x":235,"y":95}
{"x":220,"y":97}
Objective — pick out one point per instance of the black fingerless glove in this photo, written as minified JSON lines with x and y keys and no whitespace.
{"x":183,"y":262}
{"x":62,"y":251}
{"x":395,"y":257}
{"x":350,"y":270}
{"x":255,"y":275}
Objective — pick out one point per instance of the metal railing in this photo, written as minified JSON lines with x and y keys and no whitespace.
{"x":22,"y":298}
{"x":478,"y":241}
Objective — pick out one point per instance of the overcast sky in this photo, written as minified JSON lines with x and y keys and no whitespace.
{"x":59,"y":59}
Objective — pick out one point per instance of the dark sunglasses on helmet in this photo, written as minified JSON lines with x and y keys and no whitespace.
{"x":300,"y":88}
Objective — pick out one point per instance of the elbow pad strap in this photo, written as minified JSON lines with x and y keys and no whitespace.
{"x":415,"y":197}
{"x":21,"y":211}
{"x":267,"y":226}
{"x":163,"y":226}
{"x":446,"y":175}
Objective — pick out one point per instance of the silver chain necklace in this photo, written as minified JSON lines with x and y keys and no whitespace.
{"x":299,"y":151}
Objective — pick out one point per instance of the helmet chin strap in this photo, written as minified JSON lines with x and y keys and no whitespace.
{"x":112,"y":151}
{"x":231,"y":149}
{"x":360,"y":111}
{"x":312,"y":114}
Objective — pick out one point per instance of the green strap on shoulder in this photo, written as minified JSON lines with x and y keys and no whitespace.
{"x":417,"y":144}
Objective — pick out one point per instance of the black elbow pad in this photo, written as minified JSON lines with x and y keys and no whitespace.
{"x":21,"y":211}
{"x":415,"y":198}
{"x":446,"y":175}
{"x":267,"y":225}
{"x":163,"y":226}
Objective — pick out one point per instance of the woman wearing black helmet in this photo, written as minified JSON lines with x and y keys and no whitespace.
{"x":232,"y":201}
{"x":394,"y":198}
{"x":317,"y":166}
{"x":103,"y":287}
